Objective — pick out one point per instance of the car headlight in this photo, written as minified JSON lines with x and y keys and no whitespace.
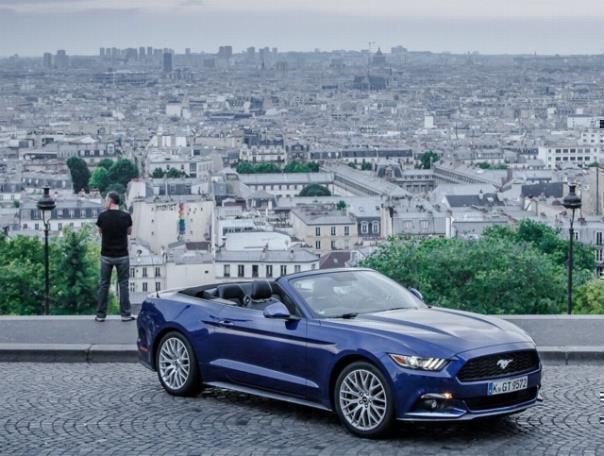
{"x":415,"y":362}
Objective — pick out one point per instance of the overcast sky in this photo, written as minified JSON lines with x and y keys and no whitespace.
{"x":30,"y":27}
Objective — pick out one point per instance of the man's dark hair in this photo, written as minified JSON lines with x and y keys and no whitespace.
{"x":114,"y":196}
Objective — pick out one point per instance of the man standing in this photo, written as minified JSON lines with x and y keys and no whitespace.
{"x":114,"y":226}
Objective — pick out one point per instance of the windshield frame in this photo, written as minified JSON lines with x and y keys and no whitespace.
{"x":311,"y":311}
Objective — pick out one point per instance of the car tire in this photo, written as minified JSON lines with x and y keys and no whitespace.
{"x":363,"y":400}
{"x":177,"y":367}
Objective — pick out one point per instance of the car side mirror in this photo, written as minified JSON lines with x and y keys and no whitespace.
{"x":417,"y":294}
{"x":277,"y":310}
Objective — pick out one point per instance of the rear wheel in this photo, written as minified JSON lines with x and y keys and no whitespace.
{"x":364,"y":401}
{"x":177,"y":367}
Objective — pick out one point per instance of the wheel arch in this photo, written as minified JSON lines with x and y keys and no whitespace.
{"x":160,"y":334}
{"x":347,"y":360}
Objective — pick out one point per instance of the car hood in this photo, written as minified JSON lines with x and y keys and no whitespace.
{"x":434,"y":330}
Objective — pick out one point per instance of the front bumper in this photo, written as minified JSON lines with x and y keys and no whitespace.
{"x":457,"y":400}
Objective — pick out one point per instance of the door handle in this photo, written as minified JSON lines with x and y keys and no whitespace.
{"x":225,"y":322}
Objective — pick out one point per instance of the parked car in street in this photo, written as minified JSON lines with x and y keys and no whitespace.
{"x":346,"y":340}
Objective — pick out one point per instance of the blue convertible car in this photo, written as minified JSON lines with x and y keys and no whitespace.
{"x":347,"y":340}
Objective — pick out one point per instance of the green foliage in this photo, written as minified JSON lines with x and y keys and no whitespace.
{"x":158,"y":173}
{"x":299,"y":167}
{"x":111,"y":175}
{"x":428,"y":158}
{"x":21,"y":275}
{"x":74,"y":262}
{"x":589,"y":298}
{"x":174,"y":173}
{"x":486,"y":165}
{"x":353,"y":165}
{"x":246,"y":167}
{"x":122,"y":172}
{"x":106,"y":163}
{"x":341,"y":205}
{"x":80,"y":174}
{"x":315,"y":190}
{"x":100,"y":179}
{"x":488,"y":275}
{"x":548,"y":241}
{"x":16,"y":204}
{"x":75,"y":273}
{"x":366,"y":166}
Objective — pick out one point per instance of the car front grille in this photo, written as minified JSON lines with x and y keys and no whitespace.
{"x":499,"y":365}
{"x":502,"y":400}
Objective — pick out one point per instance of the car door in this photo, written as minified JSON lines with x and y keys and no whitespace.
{"x":260,"y":352}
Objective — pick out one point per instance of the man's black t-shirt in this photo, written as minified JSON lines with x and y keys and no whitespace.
{"x":114,"y":225}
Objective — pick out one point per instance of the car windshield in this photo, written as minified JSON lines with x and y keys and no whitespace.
{"x":347,"y":293}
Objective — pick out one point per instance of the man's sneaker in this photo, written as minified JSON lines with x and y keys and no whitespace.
{"x":99,"y":319}
{"x":128,"y":318}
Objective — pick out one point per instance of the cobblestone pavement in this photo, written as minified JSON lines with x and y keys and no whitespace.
{"x":120,"y":409}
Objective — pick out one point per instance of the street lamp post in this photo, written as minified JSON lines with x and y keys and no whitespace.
{"x":46,"y":205}
{"x":572,"y":202}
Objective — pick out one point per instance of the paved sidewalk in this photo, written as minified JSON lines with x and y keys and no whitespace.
{"x":560,"y":338}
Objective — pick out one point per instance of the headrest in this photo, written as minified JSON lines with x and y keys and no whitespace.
{"x":230,"y":291}
{"x":261,"y":289}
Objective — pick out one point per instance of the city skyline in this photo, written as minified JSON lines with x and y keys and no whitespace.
{"x":31,"y":27}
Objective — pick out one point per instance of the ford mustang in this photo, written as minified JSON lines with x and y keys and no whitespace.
{"x":345,"y":340}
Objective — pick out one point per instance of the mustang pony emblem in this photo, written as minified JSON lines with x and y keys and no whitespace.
{"x":504,"y":363}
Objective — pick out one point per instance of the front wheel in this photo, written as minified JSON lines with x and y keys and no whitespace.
{"x":364,"y":400}
{"x":177,"y":367}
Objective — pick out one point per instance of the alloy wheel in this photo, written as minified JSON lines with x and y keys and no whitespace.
{"x":363,"y":400}
{"x":174,"y":363}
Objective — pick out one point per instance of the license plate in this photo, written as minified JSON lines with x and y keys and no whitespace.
{"x":508,"y":386}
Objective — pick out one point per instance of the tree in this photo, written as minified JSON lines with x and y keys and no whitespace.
{"x":341,"y":205}
{"x":589,"y":298}
{"x":315,"y":190}
{"x":174,"y":173}
{"x":80,"y":174}
{"x":366,"y":166}
{"x":75,"y":273}
{"x":352,"y":165}
{"x":428,"y":158}
{"x":74,"y":261}
{"x":298,"y":167}
{"x":548,"y":241}
{"x":245,"y":167}
{"x":496,"y":276}
{"x":122,"y":172}
{"x":106,"y":163}
{"x":100,"y":179}
{"x":158,"y":173}
{"x":267,"y":168}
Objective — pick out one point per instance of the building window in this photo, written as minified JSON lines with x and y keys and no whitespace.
{"x":375,"y":227}
{"x":346,"y":231}
{"x":317,"y":231}
{"x":227,"y":270}
{"x":132,"y":273}
{"x":333,"y":230}
{"x":269,"y":270}
{"x":599,"y":238}
{"x":144,"y":272}
{"x":317,"y":245}
{"x":313,"y":266}
{"x":132,"y":287}
{"x":254,"y":270}
{"x":157,"y":272}
{"x":297,"y":268}
{"x":333,"y":245}
{"x":364,"y":228}
{"x":157,"y":286}
{"x":241,"y":270}
{"x":144,"y":286}
{"x":283,"y":269}
{"x":600,"y":255}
